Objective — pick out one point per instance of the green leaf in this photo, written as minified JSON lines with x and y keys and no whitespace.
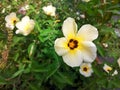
{"x":53,"y":67}
{"x":2,"y":80}
{"x":64,"y":78}
{"x":116,"y":83}
{"x":32,"y":87}
{"x":101,"y":12}
{"x":97,"y":71}
{"x":31,"y":49}
{"x":114,"y":11}
{"x":100,"y":49}
{"x":20,"y":71}
{"x":17,"y":39}
{"x":17,"y":73}
{"x":16,"y":56}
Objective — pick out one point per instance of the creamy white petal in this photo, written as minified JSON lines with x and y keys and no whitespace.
{"x":25,"y":19}
{"x":18,"y":32}
{"x":118,"y":61}
{"x":10,"y":26}
{"x":20,"y":25}
{"x":88,"y":32}
{"x":69,"y":27}
{"x":89,"y":51}
{"x":11,"y":15}
{"x":85,"y":0}
{"x":61,"y":46}
{"x":73,"y":59}
{"x":86,"y":74}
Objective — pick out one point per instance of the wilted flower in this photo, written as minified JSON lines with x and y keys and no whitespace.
{"x":23,"y":9}
{"x":25,"y":26}
{"x":86,"y":69}
{"x":85,"y":0}
{"x":49,"y":10}
{"x":76,"y":47}
{"x":11,"y":20}
{"x":115,"y":73}
{"x":107,"y":68}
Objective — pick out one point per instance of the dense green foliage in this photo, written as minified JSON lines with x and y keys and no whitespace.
{"x":32,"y":63}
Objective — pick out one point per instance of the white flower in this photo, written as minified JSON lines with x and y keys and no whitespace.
{"x":85,"y":0}
{"x":11,"y":19}
{"x":115,"y":73}
{"x":49,"y":10}
{"x":76,"y":47}
{"x":107,"y":68}
{"x":118,"y":61}
{"x":86,"y":69}
{"x":25,"y":26}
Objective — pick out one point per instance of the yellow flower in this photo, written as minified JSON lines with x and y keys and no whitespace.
{"x":107,"y":68}
{"x":49,"y":10}
{"x":85,"y":69}
{"x":25,"y":26}
{"x":76,"y":47}
{"x":11,"y":20}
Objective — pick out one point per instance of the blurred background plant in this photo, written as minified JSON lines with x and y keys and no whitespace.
{"x":30,"y":62}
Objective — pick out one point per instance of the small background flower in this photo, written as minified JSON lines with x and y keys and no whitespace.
{"x":107,"y":68}
{"x":49,"y":10}
{"x":11,"y":20}
{"x":86,"y":69}
{"x":25,"y":26}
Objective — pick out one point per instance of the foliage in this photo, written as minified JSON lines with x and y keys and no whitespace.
{"x":32,"y":63}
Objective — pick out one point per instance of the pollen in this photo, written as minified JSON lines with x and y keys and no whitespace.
{"x":72,"y":44}
{"x":85,"y":69}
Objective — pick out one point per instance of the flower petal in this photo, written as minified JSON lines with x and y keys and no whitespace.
{"x":61,"y":46}
{"x":69,"y":27}
{"x":11,"y":15}
{"x":73,"y":59}
{"x":25,"y":19}
{"x":88,"y":32}
{"x":89,"y":51}
{"x":25,"y":26}
{"x":10,"y":26}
